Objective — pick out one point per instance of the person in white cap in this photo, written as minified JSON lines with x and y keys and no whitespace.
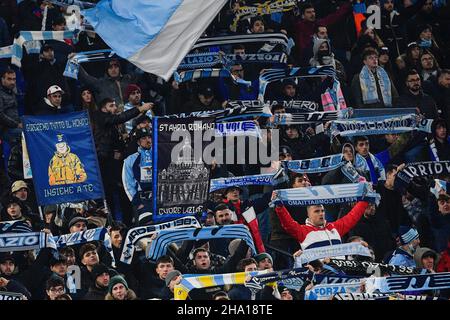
{"x":52,"y":103}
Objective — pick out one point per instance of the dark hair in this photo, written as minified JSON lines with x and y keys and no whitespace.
{"x":238,"y":46}
{"x":443,"y":71}
{"x":277,"y":106}
{"x":118,"y":226}
{"x":254,"y":19}
{"x":164,"y":259}
{"x":391,"y":167}
{"x":221,"y":206}
{"x":245,"y":262}
{"x":438,"y":122}
{"x":67,"y":251}
{"x":220,"y":294}
{"x":105,"y":101}
{"x":411,"y":72}
{"x":368,"y":52}
{"x":360,"y":138}
{"x":54,"y":281}
{"x":197,"y":250}
{"x":86,"y":248}
{"x":305,"y":7}
{"x":64,"y":296}
{"x":317,"y":26}
{"x":294,"y":176}
{"x":7,"y":71}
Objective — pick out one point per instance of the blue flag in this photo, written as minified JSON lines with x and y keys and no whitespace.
{"x":154,"y":35}
{"x":63,"y":158}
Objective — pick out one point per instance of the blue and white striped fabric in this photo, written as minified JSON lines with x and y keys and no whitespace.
{"x":15,"y":226}
{"x":27,"y":36}
{"x":253,"y":180}
{"x":271,"y":75}
{"x":73,"y":64}
{"x":379,"y":125}
{"x":189,"y":75}
{"x":153,"y":35}
{"x":238,"y":129}
{"x":326,"y":195}
{"x":25,"y":241}
{"x":6,"y":52}
{"x":158,"y":247}
{"x":315,"y":165}
{"x":346,"y":249}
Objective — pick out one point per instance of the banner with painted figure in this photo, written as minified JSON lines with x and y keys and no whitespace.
{"x":63,"y":158}
{"x":180,"y":176}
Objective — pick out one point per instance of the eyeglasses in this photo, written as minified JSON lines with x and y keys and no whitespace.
{"x":57,"y":290}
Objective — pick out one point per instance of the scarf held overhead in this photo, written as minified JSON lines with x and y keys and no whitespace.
{"x":379,"y":125}
{"x":327,"y":194}
{"x":345,"y":249}
{"x":25,"y":241}
{"x":165,"y":237}
{"x":138,"y":233}
{"x":315,"y":165}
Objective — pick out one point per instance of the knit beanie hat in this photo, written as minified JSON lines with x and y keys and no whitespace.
{"x":115,"y":280}
{"x":407,"y":234}
{"x":260,"y":257}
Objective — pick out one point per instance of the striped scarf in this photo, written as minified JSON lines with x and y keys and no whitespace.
{"x":379,"y":125}
{"x":6,"y":52}
{"x":259,"y":9}
{"x":270,"y":37}
{"x":326,"y":195}
{"x":270,"y":75}
{"x":165,"y":237}
{"x":307,"y":117}
{"x":27,"y":36}
{"x":315,"y":165}
{"x":187,"y":284}
{"x":369,"y":86}
{"x":73,"y":64}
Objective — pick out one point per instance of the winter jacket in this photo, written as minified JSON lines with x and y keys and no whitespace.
{"x":137,"y":174}
{"x":46,"y":108}
{"x":9,"y":114}
{"x":96,"y":293}
{"x":106,"y":134}
{"x":392,"y":27}
{"x":311,"y":236}
{"x":402,"y":258}
{"x":440,"y":95}
{"x":305,"y":29}
{"x":424,"y":102}
{"x":107,"y":87}
{"x":391,"y":208}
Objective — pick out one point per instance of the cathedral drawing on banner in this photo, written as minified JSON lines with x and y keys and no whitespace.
{"x":185,"y":181}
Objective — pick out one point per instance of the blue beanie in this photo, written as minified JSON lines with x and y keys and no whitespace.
{"x":407,"y":234}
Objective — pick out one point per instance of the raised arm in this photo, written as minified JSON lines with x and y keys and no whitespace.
{"x":345,"y":224}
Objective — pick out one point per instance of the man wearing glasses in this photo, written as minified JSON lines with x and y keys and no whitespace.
{"x":55,"y":287}
{"x":415,"y":97}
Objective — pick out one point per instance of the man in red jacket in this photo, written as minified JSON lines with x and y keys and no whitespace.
{"x":317,"y":232}
{"x":304,"y":28}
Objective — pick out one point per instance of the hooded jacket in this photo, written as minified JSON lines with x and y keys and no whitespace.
{"x":310,"y":236}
